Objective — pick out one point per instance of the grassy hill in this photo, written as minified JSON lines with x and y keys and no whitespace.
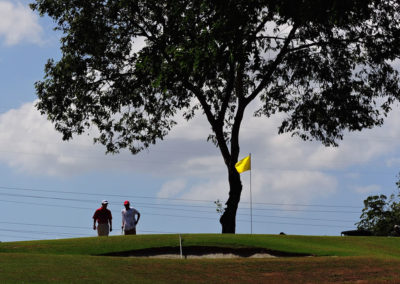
{"x":335,"y":259}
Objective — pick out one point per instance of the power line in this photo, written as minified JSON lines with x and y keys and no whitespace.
{"x":298,"y":218}
{"x":159,"y":205}
{"x":43,"y":225}
{"x":73,"y":227}
{"x":47,"y":197}
{"x":247,"y":221}
{"x":146,"y":231}
{"x":175,"y":205}
{"x":43,"y":204}
{"x":13,"y":236}
{"x":163,"y":215}
{"x":208,"y":218}
{"x":265,"y":222}
{"x":43,"y":232}
{"x":277,"y":217}
{"x":196,"y":217}
{"x":295,"y":224}
{"x":178,"y":207}
{"x":174,"y":199}
{"x":104,"y":194}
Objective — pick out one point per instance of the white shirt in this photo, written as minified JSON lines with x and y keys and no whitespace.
{"x":129,"y":219}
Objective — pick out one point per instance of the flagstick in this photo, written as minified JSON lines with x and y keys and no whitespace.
{"x":251,"y":202}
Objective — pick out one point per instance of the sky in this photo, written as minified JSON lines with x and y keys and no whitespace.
{"x":49,"y":189}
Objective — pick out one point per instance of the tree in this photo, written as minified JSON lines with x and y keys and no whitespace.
{"x":380,"y":214}
{"x":326,"y":64}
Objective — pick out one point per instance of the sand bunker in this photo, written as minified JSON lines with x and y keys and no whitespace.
{"x":204,"y":252}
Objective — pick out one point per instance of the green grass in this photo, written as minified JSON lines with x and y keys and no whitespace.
{"x":338,"y":259}
{"x":40,"y":268}
{"x":318,"y":246}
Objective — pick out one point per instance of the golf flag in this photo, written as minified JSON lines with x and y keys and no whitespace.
{"x":243,"y":165}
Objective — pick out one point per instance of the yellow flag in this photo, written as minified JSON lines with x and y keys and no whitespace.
{"x":243,"y":165}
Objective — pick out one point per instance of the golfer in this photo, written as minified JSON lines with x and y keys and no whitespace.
{"x":129,"y":220}
{"x":103,"y":218}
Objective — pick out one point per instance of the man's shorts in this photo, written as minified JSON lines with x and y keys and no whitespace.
{"x":103,"y":229}
{"x":130,"y":232}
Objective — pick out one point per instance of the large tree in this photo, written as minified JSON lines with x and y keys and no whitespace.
{"x":326,"y":64}
{"x":381,"y":214}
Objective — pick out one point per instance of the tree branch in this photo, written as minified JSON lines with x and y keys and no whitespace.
{"x":260,"y":27}
{"x":271,"y":37}
{"x":216,"y":125}
{"x":273,"y":66}
{"x":322,"y":43}
{"x":228,"y":93}
{"x":235,"y":149}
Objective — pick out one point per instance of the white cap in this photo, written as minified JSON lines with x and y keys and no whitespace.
{"x":104,"y":202}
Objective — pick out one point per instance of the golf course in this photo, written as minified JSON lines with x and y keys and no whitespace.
{"x":202,"y":258}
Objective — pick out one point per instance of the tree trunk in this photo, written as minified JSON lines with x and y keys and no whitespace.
{"x":228,"y":219}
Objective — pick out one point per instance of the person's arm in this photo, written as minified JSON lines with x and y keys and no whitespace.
{"x":123,"y":220}
{"x":110,"y":220}
{"x":137,"y":220}
{"x":94,"y":221}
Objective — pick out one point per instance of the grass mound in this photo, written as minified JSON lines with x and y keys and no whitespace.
{"x":302,"y":245}
{"x":338,"y":259}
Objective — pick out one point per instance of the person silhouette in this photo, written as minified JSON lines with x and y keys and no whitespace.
{"x":104,"y":220}
{"x":129,"y":220}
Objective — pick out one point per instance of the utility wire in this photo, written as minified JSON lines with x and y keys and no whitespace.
{"x":13,"y":236}
{"x":212,"y":218}
{"x":166,"y":206}
{"x":43,"y":204}
{"x":151,"y":214}
{"x":175,"y":199}
{"x":159,"y":205}
{"x":74,"y":227}
{"x":43,"y":225}
{"x":43,"y":232}
{"x":255,"y":215}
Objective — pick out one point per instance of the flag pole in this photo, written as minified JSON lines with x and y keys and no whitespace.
{"x":251,"y":202}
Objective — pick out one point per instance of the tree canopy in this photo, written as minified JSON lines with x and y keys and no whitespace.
{"x":381,"y":214}
{"x":326,"y":64}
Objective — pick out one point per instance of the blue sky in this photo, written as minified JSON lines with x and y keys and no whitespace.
{"x":50,"y":188}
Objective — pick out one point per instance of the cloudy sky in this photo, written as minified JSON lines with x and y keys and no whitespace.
{"x":50,"y":188}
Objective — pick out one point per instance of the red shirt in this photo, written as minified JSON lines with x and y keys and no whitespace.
{"x":102,"y":215}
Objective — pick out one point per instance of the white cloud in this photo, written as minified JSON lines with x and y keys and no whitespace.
{"x":294,"y":187}
{"x":273,"y":187}
{"x":216,"y":188}
{"x":19,"y":23}
{"x":367,"y":189}
{"x":393,"y":162}
{"x":30,"y":144}
{"x":172,"y":188}
{"x":204,"y":165}
{"x":285,"y":169}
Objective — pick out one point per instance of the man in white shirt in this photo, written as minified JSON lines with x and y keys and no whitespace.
{"x":129,"y":220}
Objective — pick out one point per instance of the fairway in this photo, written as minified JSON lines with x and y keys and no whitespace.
{"x":332,"y":260}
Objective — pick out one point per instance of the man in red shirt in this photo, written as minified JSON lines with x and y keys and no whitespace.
{"x":103,"y":218}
